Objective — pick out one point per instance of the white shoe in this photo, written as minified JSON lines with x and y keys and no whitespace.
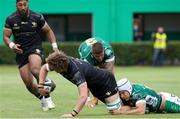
{"x":50,"y":103}
{"x":47,"y":104}
{"x":44,"y":104}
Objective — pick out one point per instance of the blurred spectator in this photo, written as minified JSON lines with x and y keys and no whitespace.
{"x":160,"y":39}
{"x":137,"y":28}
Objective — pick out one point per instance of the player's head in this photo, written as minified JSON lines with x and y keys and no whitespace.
{"x":22,"y":7}
{"x":98,"y":51}
{"x":125,"y":88}
{"x":160,"y":29}
{"x":58,"y":61}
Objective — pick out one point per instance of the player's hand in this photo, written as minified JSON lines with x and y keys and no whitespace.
{"x":43,"y":91}
{"x":17,"y":49}
{"x":90,"y":104}
{"x":115,"y":112}
{"x":68,"y":115}
{"x":122,"y":110}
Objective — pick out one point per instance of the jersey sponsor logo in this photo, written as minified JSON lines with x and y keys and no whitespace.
{"x":24,"y":22}
{"x":90,"y":41}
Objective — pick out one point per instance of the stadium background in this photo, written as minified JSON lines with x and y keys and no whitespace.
{"x":76,"y":20}
{"x":112,"y":20}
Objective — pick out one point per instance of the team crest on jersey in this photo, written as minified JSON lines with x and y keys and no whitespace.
{"x":34,"y":24}
{"x":108,"y":93}
{"x":16,"y":26}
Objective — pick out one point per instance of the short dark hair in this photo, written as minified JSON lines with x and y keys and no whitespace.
{"x":97,"y":48}
{"x":20,"y":0}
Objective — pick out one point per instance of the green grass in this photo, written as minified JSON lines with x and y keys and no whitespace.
{"x":17,"y":102}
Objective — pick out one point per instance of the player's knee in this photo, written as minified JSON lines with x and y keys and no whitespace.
{"x":114,"y":105}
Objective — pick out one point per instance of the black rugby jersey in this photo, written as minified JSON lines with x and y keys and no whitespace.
{"x":80,"y":71}
{"x":27,"y":32}
{"x":100,"y":82}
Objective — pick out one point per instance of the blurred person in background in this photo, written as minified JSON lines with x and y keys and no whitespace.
{"x":26,"y":26}
{"x":137,"y":27}
{"x":98,"y":53}
{"x":160,"y":39}
{"x":143,"y":99}
{"x":101,"y":83}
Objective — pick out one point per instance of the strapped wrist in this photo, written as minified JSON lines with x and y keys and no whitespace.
{"x":11,"y":45}
{"x":75,"y":111}
{"x":54,"y":45}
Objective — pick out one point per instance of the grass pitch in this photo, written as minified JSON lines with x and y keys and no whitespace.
{"x":17,"y":102}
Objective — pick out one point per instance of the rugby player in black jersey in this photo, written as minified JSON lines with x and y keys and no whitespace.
{"x":26,"y":27}
{"x":100,"y":82}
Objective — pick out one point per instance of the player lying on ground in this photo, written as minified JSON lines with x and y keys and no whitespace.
{"x":142,"y":99}
{"x":26,"y":27}
{"x":99,"y":53}
{"x":101,"y":83}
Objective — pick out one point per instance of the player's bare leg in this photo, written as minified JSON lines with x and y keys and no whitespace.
{"x":35,"y":66}
{"x":27,"y":78}
{"x":113,"y":102}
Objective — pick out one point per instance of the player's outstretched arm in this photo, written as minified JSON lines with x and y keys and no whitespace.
{"x":121,"y":110}
{"x":83,"y":95}
{"x":126,"y":110}
{"x":42,"y":76}
{"x":6,"y":37}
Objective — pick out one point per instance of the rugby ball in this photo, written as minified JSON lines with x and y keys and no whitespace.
{"x":49,"y":85}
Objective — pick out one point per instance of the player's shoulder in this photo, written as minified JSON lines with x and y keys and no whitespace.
{"x":84,"y":50}
{"x":35,"y":14}
{"x":138,"y":94}
{"x":109,"y":51}
{"x":12,"y":16}
{"x":83,"y":45}
{"x":138,"y":88}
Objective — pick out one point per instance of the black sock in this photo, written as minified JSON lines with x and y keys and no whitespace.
{"x":47,"y":96}
{"x":40,"y":96}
